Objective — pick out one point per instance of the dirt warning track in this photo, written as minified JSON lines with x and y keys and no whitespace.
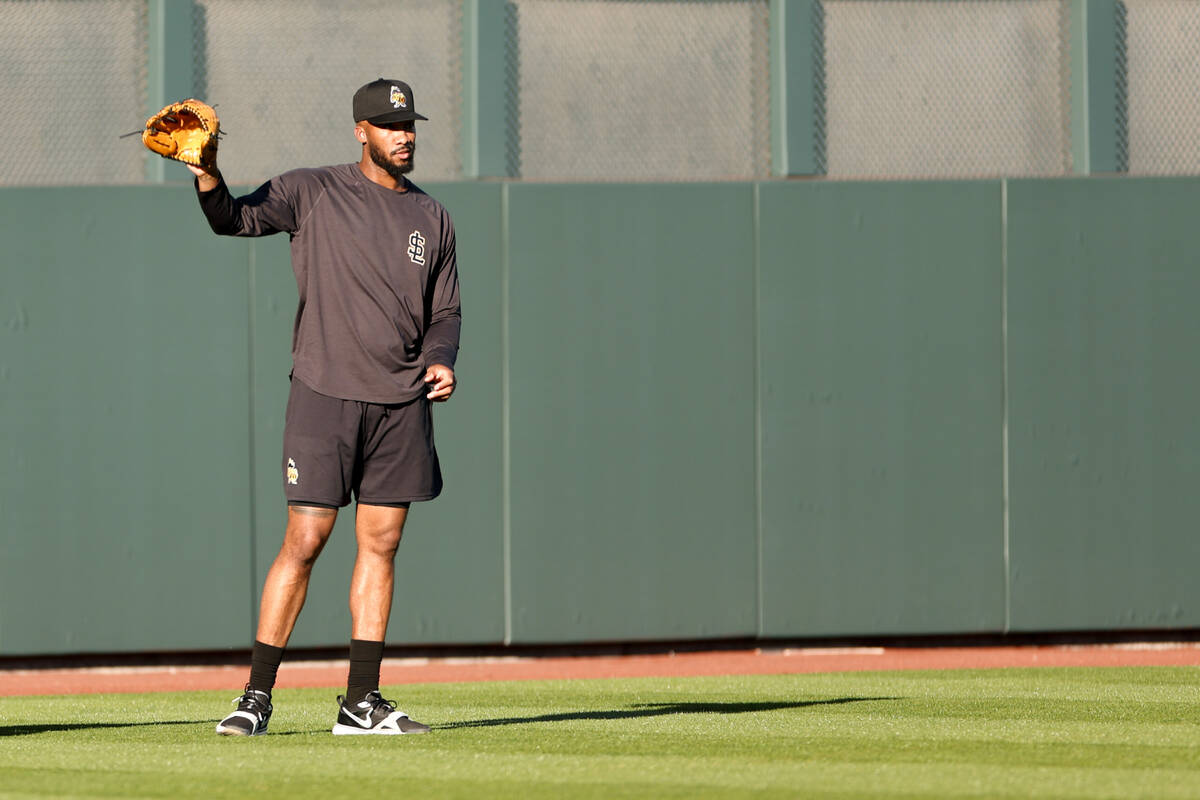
{"x":764,"y":661}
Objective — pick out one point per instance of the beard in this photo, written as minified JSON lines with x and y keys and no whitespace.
{"x":385,"y":163}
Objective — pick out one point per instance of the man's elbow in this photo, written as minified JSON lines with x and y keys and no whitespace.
{"x":223,"y":228}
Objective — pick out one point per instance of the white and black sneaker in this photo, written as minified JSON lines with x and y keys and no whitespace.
{"x":252,"y":715}
{"x":373,"y":715}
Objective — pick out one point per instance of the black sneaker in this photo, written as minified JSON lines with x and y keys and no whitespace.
{"x":373,"y":715}
{"x":252,"y":715}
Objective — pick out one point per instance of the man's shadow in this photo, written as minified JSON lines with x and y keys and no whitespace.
{"x":52,"y":727}
{"x":636,"y":711}
{"x":659,"y":710}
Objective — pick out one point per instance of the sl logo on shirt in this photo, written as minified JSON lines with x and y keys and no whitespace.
{"x":416,"y":248}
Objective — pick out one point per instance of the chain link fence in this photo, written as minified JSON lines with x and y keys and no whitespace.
{"x":73,"y":72}
{"x":282,"y":74}
{"x":1163,"y":75}
{"x":604,"y":89}
{"x":922,"y":88}
{"x":622,"y":89}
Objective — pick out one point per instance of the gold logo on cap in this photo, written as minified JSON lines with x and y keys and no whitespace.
{"x":397,"y":98}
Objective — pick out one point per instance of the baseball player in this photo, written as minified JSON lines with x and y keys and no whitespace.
{"x":374,"y":344}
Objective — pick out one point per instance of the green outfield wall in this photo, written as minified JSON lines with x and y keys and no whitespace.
{"x":778,"y":409}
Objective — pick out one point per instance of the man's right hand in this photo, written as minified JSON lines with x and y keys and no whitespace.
{"x":206,"y":180}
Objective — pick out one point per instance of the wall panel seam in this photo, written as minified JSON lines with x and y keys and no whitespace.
{"x":505,"y":414}
{"x":1005,"y":477}
{"x":758,"y":410}
{"x":251,"y":428}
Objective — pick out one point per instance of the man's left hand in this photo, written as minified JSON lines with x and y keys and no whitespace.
{"x":440,"y":380}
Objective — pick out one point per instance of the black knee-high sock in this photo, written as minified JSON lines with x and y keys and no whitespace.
{"x":365,"y":658}
{"x":264,"y":664}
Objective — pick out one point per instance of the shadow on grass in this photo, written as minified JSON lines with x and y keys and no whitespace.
{"x":659,"y":710}
{"x":52,"y":727}
{"x":633,"y":712}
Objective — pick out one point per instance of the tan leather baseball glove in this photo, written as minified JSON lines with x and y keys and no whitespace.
{"x":186,"y":131}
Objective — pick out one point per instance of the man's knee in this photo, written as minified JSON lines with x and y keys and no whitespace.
{"x":379,"y":529}
{"x":307,"y":532}
{"x":383,"y":543}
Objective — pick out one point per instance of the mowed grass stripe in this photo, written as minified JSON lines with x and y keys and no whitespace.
{"x":996,"y":733}
{"x":493,"y":775}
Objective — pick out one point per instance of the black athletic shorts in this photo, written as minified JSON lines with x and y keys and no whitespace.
{"x":382,"y":454}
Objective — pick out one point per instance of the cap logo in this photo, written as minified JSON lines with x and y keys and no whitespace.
{"x":397,"y":98}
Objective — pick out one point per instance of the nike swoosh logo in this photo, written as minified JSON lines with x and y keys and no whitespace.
{"x":364,"y":722}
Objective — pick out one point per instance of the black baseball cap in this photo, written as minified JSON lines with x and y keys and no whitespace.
{"x":384,"y":100}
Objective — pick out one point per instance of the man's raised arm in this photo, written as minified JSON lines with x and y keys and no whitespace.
{"x":264,"y":211}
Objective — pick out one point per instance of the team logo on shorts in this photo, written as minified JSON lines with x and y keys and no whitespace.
{"x":416,"y":248}
{"x":293,"y":474}
{"x":398,"y":99}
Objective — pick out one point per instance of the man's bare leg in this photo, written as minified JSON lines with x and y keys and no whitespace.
{"x":286,"y":586}
{"x":378,"y":530}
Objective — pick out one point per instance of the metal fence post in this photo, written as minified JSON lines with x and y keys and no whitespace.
{"x":1099,"y":90}
{"x":489,"y":114}
{"x":797,"y":63}
{"x":170,"y":68}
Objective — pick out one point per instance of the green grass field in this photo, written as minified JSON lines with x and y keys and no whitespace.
{"x":1087,"y":733}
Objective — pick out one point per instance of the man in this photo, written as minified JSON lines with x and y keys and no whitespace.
{"x":374,"y":343}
